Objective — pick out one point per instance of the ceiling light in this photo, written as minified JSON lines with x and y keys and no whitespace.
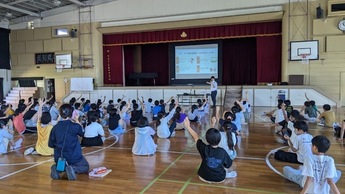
{"x":8,"y":14}
{"x":57,"y":2}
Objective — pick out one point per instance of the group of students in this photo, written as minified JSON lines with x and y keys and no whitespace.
{"x":60,"y":137}
{"x":317,"y":173}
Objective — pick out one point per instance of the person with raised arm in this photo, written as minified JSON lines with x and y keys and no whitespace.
{"x":214,"y":159}
{"x":44,"y":128}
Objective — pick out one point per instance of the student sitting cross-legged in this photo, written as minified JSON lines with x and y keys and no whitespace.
{"x":143,"y":143}
{"x":94,"y":133}
{"x":318,"y":174}
{"x":214,"y":159}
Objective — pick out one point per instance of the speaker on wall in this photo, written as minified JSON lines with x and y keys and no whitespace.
{"x":73,"y":33}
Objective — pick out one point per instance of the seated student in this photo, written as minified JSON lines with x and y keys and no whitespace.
{"x":179,"y":118}
{"x":135,"y":115}
{"x":105,"y":117}
{"x":288,"y":107}
{"x":327,"y":118}
{"x":340,"y":132}
{"x":94,"y":133}
{"x":44,"y":128}
{"x":54,"y":112}
{"x":64,"y":139}
{"x":110,"y":105}
{"x":312,"y":103}
{"x":155,"y":110}
{"x":115,"y":123}
{"x":301,"y":145}
{"x":228,"y":140}
{"x":162,"y":104}
{"x":309,"y":112}
{"x":278,"y":117}
{"x":143,"y":142}
{"x":247,"y":108}
{"x":93,"y":110}
{"x":18,"y":121}
{"x":193,"y":114}
{"x":172,"y":104}
{"x":124,"y":113}
{"x":163,"y":129}
{"x":148,"y":105}
{"x":6,"y":138}
{"x":318,"y":174}
{"x":228,"y":117}
{"x":214,"y":159}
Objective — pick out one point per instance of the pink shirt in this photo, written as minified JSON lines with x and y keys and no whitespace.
{"x":18,"y":123}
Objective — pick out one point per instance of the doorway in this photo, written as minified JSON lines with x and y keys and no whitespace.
{"x":50,"y":88}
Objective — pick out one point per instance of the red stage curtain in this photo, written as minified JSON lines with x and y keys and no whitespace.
{"x":239,"y":61}
{"x":112,"y":65}
{"x":155,"y":59}
{"x":194,"y":34}
{"x":269,"y":58}
{"x":129,"y":63}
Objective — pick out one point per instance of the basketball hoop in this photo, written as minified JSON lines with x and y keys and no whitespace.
{"x":305,"y":58}
{"x":59,"y":68}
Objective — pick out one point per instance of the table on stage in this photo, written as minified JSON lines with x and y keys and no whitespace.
{"x":189,"y":98}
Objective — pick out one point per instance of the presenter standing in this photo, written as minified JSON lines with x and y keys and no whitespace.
{"x":214,"y":86}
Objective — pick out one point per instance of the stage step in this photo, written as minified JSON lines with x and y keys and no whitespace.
{"x":18,"y":93}
{"x":232,"y":94}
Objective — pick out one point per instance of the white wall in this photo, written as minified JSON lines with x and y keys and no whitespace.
{"x":128,"y":10}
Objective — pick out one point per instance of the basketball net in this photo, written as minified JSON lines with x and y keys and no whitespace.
{"x":59,"y":68}
{"x":305,"y":59}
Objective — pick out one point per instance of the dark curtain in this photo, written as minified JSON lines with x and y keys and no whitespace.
{"x":5,"y":49}
{"x":155,"y":59}
{"x":112,"y":66}
{"x":269,"y":58}
{"x":239,"y":61}
{"x":194,"y":34}
{"x":129,"y":63}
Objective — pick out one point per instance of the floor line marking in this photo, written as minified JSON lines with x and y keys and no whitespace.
{"x":189,"y":180}
{"x":167,"y":168}
{"x":234,"y":188}
{"x":269,"y":163}
{"x":218,"y":186}
{"x":23,"y":169}
{"x":42,"y":162}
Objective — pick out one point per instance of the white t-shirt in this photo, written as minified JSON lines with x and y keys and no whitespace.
{"x":224,"y":144}
{"x":279,"y":116}
{"x":214,"y":86}
{"x":148,"y":106}
{"x":320,"y":167}
{"x":93,"y":130}
{"x":302,"y":143}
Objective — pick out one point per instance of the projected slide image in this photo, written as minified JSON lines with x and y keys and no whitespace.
{"x":196,"y":61}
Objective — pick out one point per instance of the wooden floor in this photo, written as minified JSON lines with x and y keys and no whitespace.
{"x":173,"y":169}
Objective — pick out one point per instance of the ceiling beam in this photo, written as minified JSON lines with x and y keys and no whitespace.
{"x":19,"y":10}
{"x":77,"y":2}
{"x":16,"y":2}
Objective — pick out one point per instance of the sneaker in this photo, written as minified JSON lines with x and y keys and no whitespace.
{"x":232,"y":174}
{"x":321,"y":124}
{"x":71,"y":175}
{"x":18,"y":144}
{"x":281,"y":141}
{"x":54,"y":174}
{"x":263,"y":114}
{"x":28,"y":151}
